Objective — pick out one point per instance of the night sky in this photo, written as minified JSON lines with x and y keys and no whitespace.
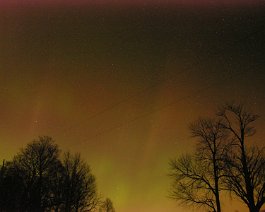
{"x":120,"y":83}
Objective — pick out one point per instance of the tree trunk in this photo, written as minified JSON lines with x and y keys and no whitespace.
{"x":253,"y":208}
{"x":218,"y":204}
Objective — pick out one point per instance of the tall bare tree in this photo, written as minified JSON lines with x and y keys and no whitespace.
{"x":196,"y":178}
{"x":245,"y":166}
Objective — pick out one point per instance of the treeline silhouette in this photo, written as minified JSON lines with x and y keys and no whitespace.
{"x":40,"y":179}
{"x":224,"y":161}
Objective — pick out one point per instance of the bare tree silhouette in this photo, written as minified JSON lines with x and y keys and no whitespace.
{"x":79,"y":186}
{"x":196,"y":178}
{"x":245,"y":166}
{"x":35,"y":165}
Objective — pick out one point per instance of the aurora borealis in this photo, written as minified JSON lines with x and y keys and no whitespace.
{"x":120,"y":83}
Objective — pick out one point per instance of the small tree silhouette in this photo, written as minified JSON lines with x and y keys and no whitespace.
{"x":107,"y":206}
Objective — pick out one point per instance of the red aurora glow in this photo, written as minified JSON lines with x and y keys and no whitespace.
{"x":130,"y":3}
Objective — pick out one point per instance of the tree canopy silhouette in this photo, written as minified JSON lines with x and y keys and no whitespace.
{"x":79,"y":187}
{"x":35,"y":165}
{"x":38,"y":180}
